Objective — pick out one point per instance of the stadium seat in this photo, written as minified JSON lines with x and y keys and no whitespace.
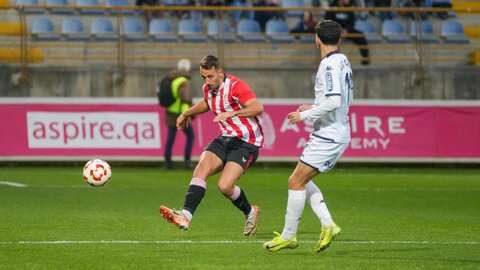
{"x":277,"y":31}
{"x":31,"y":3}
{"x":161,"y":30}
{"x":426,"y":31}
{"x":394,"y":32}
{"x":89,"y":3}
{"x":43,"y":28}
{"x":293,"y":4}
{"x":191,"y":30}
{"x":368,"y":28}
{"x":59,"y":3}
{"x":452,"y":32}
{"x":102,"y":29}
{"x":215,"y":35}
{"x":133,"y":29}
{"x":119,"y":4}
{"x":72,"y":29}
{"x":249,"y":31}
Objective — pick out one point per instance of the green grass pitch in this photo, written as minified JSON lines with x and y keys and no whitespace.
{"x":391,"y":218}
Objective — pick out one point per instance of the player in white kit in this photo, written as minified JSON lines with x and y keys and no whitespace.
{"x":328,"y":141}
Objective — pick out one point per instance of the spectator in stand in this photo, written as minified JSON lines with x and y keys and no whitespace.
{"x":306,"y":24}
{"x":262,"y":17}
{"x":414,"y":3}
{"x":214,"y":3}
{"x":384,"y":15}
{"x":346,"y":19}
{"x":181,"y":14}
{"x":149,"y":14}
{"x":237,"y":15}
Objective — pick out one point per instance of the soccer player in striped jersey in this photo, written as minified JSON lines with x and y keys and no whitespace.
{"x":328,"y":141}
{"x":236,"y":109}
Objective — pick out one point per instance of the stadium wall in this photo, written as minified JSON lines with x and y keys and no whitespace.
{"x":405,"y":82}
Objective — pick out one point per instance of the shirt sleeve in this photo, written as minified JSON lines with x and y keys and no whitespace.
{"x":242,"y":91}
{"x":330,"y":74}
{"x":331,"y":79}
{"x":330,"y":104}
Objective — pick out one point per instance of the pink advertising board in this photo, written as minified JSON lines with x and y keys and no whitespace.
{"x":133,"y":129}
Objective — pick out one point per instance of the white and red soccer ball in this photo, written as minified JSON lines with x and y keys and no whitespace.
{"x":97,"y":172}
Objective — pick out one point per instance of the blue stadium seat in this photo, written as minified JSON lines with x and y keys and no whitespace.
{"x":72,"y":29}
{"x":452,"y":32}
{"x":191,"y":30}
{"x":161,"y":30}
{"x":426,"y":31}
{"x":102,"y":29}
{"x":215,"y":35}
{"x":89,"y":3}
{"x":394,"y":32}
{"x":249,"y":31}
{"x":133,"y":29}
{"x":277,"y":31}
{"x":31,"y":3}
{"x":119,"y":4}
{"x":43,"y":28}
{"x":368,"y":28}
{"x":293,"y":4}
{"x":59,"y":3}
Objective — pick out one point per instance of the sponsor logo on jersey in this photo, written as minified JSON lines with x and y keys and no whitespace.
{"x":328,"y":77}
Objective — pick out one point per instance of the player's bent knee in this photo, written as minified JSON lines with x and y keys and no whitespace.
{"x":226,"y":189}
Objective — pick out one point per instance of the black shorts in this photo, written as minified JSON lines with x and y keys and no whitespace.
{"x":234,"y":149}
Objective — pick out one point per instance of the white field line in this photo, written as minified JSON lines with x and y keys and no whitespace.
{"x":401,"y":189}
{"x":12,"y":184}
{"x":214,"y":242}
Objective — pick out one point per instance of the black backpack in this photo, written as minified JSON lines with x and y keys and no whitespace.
{"x":164,"y":92}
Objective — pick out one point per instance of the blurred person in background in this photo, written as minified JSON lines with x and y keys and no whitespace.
{"x":180,"y":84}
{"x":346,"y":19}
{"x":306,"y":24}
{"x":262,"y":17}
{"x":384,"y":15}
{"x":149,"y":14}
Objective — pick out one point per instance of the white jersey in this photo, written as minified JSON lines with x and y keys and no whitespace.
{"x":334,"y":77}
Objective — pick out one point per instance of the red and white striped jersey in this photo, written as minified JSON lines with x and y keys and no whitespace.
{"x":230,"y":97}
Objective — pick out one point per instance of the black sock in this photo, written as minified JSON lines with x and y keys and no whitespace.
{"x":242,"y":203}
{"x":193,"y":198}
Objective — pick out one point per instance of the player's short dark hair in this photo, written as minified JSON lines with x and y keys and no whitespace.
{"x":328,"y":32}
{"x":209,"y":62}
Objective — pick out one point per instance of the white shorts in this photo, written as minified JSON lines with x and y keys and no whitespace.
{"x":322,"y":155}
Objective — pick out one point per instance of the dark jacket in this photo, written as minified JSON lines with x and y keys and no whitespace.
{"x":345,"y":19}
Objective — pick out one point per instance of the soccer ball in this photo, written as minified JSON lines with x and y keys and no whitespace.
{"x":97,"y":172}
